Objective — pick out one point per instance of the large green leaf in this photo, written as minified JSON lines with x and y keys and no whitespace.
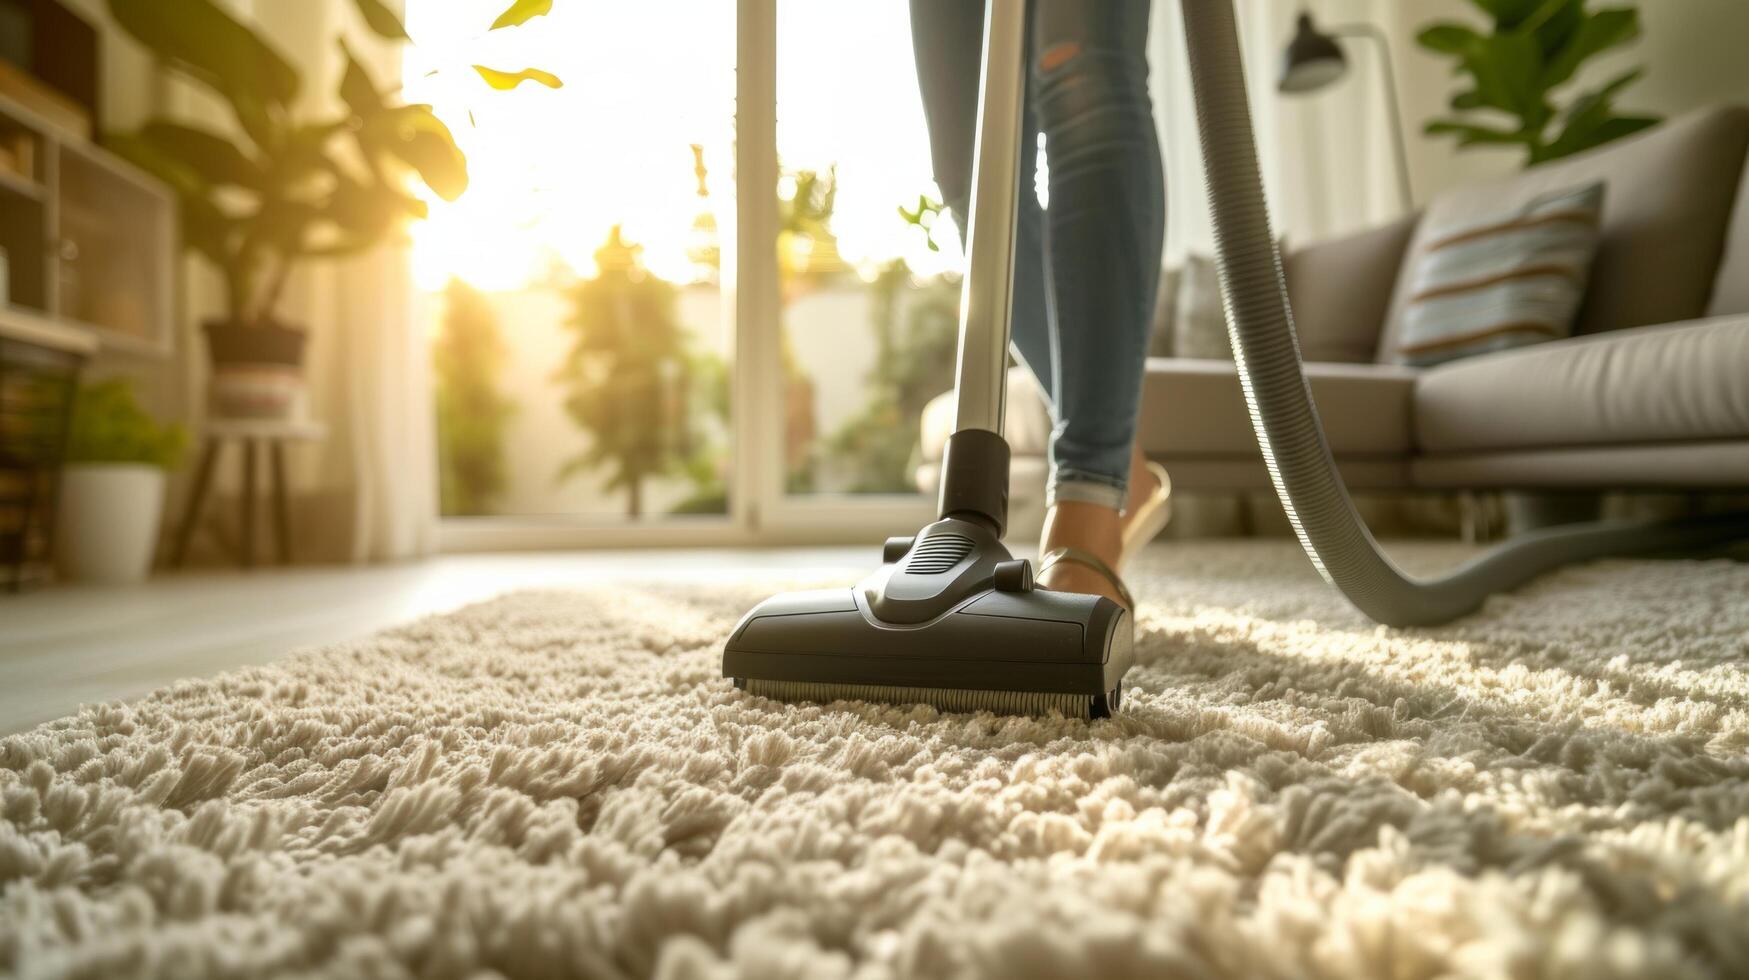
{"x":1579,"y":138}
{"x":379,"y":18}
{"x":1465,"y":100}
{"x":522,"y":11}
{"x":200,"y":39}
{"x":218,"y":162}
{"x":505,"y":80}
{"x":176,"y":174}
{"x":1541,"y":14}
{"x":1558,"y":24}
{"x":1601,"y":99}
{"x":408,"y":133}
{"x":1448,"y":38}
{"x":416,"y":137}
{"x":1536,"y":46}
{"x":1600,"y":31}
{"x":1506,"y":68}
{"x":357,"y":89}
{"x":1470,"y":134}
{"x":1591,"y":120}
{"x":1509,"y":14}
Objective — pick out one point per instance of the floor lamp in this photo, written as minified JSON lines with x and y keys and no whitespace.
{"x":1313,"y":60}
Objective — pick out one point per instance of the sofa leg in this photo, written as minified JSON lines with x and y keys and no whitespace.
{"x":1470,"y":517}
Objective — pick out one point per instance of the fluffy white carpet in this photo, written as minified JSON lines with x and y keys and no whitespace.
{"x":560,"y":784}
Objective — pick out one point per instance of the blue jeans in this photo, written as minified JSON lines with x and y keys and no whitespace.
{"x":1087,"y":268}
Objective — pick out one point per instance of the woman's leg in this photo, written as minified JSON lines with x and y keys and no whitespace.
{"x":948,"y":38}
{"x":1102,"y":234}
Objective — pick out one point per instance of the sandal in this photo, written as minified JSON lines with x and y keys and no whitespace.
{"x":1088,"y":559}
{"x":1150,"y":518}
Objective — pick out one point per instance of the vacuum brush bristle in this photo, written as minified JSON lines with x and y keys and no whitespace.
{"x":942,"y":698}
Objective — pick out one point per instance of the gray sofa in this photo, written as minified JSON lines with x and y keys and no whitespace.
{"x":1651,"y":393}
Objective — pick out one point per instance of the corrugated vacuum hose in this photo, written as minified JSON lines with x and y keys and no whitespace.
{"x":1280,"y":402}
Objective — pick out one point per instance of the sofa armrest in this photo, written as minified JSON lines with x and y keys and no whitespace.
{"x":1341,"y":288}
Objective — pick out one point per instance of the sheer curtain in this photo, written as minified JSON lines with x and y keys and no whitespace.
{"x":1326,"y":156}
{"x":371,"y":488}
{"x":368,"y":492}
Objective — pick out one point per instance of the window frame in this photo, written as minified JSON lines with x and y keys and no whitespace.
{"x":761,"y":511}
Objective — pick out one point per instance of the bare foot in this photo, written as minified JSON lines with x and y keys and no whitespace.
{"x":1090,"y":527}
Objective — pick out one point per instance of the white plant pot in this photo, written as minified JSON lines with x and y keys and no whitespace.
{"x":106,"y":528}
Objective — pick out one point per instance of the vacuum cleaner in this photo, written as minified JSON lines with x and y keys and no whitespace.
{"x":952,"y":619}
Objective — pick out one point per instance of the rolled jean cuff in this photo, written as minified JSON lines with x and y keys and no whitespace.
{"x":1086,"y":488}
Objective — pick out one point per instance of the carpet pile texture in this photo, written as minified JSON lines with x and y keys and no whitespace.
{"x":560,"y":784}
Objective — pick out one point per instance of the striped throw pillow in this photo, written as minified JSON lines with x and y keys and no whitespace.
{"x":1503,"y":281}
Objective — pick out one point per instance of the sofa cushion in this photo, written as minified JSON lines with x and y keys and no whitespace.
{"x":1508,"y":279}
{"x":1652,"y":384}
{"x":1195,"y":408}
{"x":1670,"y":191}
{"x":1674,"y":466}
{"x":1340,"y":289}
{"x":1199,"y":326}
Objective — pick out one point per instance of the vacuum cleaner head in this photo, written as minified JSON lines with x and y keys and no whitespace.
{"x":950,"y":619}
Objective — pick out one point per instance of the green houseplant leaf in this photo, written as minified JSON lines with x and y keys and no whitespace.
{"x":1506,"y":68}
{"x":1591,"y":120}
{"x":217,"y":160}
{"x":1470,"y":134}
{"x":1599,"y":32}
{"x":357,"y":89}
{"x":416,"y":137}
{"x":109,"y":426}
{"x":507,"y":80}
{"x":521,"y":12}
{"x":1555,"y":24}
{"x":1448,"y":38}
{"x":379,"y":18}
{"x":1511,"y":13}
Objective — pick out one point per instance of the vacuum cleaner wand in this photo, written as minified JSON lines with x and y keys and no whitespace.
{"x":951,"y":618}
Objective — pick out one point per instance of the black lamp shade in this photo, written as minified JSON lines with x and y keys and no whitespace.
{"x":1311,"y":60}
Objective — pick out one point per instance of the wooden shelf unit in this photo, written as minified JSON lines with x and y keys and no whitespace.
{"x":90,"y":241}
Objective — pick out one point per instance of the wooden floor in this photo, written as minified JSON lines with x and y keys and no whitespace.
{"x":66,"y":646}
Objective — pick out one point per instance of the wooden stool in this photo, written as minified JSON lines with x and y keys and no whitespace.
{"x":248,"y":433}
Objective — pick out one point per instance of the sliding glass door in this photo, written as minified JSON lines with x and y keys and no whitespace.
{"x":690,"y":296}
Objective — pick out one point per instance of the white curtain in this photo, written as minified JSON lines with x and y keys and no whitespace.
{"x":371,"y":487}
{"x":1327,"y":159}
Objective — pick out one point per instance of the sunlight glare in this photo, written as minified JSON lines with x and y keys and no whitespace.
{"x":551,"y":171}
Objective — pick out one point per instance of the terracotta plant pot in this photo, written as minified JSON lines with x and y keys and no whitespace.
{"x":258,"y":369}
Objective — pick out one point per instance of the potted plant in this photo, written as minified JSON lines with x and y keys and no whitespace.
{"x":282,"y":187}
{"x":1512,"y":72}
{"x":112,"y":485}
